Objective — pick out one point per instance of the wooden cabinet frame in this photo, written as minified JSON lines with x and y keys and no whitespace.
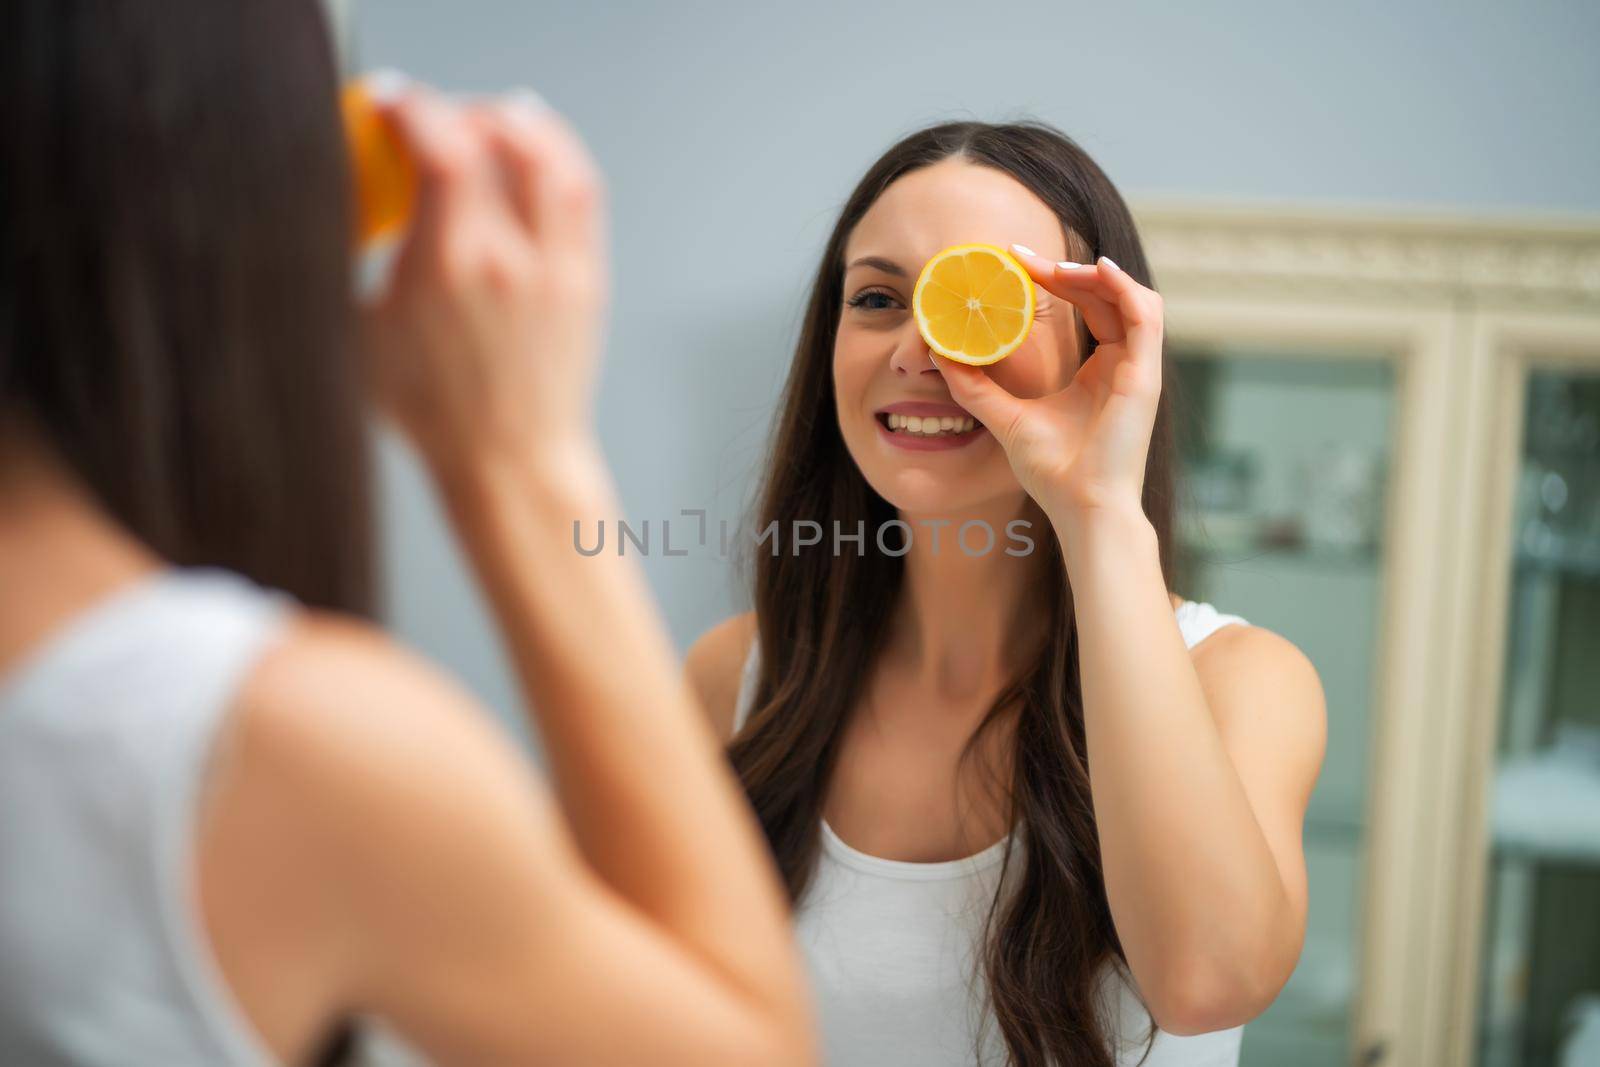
{"x":1465,"y":308}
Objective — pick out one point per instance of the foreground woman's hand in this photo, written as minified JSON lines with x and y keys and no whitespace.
{"x":487,"y":339}
{"x":1082,"y":449}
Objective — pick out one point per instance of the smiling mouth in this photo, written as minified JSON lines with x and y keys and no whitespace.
{"x":927,"y":425}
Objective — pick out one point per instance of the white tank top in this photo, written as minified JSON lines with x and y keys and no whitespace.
{"x":890,"y":947}
{"x":105,"y":732}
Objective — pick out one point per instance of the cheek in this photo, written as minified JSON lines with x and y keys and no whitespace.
{"x":853,"y":364}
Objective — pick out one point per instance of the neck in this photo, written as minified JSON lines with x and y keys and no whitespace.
{"x":59,"y":551}
{"x":960,"y":627}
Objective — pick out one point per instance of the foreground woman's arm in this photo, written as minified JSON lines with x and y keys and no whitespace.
{"x":1201,"y":765}
{"x":444,"y":893}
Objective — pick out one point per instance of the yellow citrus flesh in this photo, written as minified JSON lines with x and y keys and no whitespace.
{"x":973,"y":303}
{"x":385,"y":179}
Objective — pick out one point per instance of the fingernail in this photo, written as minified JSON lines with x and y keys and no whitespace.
{"x":517,"y":111}
{"x":525,"y":98}
{"x":1108,"y":261}
{"x":385,"y":84}
{"x":1067,"y":264}
{"x":1025,"y":250}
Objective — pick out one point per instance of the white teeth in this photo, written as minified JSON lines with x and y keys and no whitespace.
{"x":931,"y":425}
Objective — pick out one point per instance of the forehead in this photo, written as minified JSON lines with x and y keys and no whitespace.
{"x":954,"y":202}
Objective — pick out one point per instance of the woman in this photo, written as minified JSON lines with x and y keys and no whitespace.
{"x":230,"y":823}
{"x":1025,"y":801}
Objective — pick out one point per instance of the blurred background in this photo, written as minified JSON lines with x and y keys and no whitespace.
{"x":1378,"y":230}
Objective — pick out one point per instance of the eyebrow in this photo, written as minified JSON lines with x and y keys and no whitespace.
{"x":888,"y":266}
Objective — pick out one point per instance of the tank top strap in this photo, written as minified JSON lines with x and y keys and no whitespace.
{"x":106,"y":733}
{"x":1199,"y":619}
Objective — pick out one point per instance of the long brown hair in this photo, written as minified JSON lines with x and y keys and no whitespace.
{"x":175,"y":277}
{"x":822,"y":620}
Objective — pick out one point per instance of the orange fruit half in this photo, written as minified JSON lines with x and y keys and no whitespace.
{"x":973,"y":303}
{"x":385,"y":178}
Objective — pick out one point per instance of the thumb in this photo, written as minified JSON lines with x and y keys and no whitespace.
{"x":984,"y":398}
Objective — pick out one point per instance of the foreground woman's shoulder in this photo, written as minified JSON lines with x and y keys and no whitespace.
{"x":339,"y":730}
{"x":340,"y":688}
{"x":714,"y":665}
{"x":356,"y":798}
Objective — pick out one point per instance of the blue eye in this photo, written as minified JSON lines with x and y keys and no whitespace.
{"x":860,"y":300}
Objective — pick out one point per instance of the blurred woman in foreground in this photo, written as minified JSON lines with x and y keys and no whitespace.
{"x":233,"y":815}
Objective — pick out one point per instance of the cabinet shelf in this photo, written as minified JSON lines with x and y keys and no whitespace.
{"x":1317,"y":556}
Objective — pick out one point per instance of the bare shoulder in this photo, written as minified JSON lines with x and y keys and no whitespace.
{"x":1253,"y":650}
{"x":373,"y":737}
{"x":339,"y":697}
{"x":352,"y":777}
{"x":715,"y":663}
{"x":1264,"y":691}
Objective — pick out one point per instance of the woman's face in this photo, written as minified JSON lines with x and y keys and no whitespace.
{"x":881,"y":364}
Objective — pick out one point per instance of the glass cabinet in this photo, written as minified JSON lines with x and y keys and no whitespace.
{"x":1283,"y":455}
{"x":1541,"y":953}
{"x":1389,"y":435}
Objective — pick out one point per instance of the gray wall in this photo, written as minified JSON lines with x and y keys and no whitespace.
{"x":732,"y":131}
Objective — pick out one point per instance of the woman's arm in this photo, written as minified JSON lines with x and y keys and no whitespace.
{"x":1201,"y":765}
{"x":373,"y":844}
{"x":483,"y":350}
{"x":651,"y":801}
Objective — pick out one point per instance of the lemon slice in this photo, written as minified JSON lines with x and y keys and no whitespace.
{"x":385,"y":180}
{"x":973,"y":303}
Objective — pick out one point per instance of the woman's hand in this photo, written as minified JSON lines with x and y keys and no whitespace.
{"x":1081,"y":450}
{"x":486,"y":342}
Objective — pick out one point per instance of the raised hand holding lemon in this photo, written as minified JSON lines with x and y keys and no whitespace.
{"x":485,"y":343}
{"x":1080,"y":451}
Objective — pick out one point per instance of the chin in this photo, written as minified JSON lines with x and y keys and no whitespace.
{"x":924,"y":492}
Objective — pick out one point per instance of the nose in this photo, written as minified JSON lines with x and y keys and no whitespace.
{"x":913,"y":358}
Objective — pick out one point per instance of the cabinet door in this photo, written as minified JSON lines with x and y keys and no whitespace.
{"x":1473,"y":636}
{"x":1285,"y":457}
{"x":1536,"y":989}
